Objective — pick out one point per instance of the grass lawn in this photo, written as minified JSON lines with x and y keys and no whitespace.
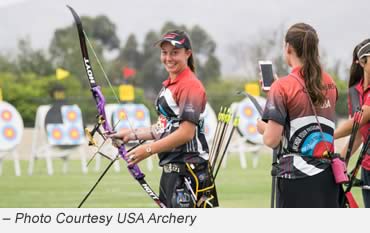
{"x":237,"y":187}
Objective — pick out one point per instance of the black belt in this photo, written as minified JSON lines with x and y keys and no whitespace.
{"x":181,"y":167}
{"x":173,"y":167}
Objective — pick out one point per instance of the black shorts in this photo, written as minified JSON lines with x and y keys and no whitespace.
{"x":188,"y":186}
{"x":319,"y":191}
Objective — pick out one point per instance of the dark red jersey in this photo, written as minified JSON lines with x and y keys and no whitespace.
{"x":303,"y":145}
{"x":182,"y":99}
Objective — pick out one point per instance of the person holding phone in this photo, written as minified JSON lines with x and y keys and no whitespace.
{"x":179,"y":138}
{"x":359,"y":97}
{"x":267,"y":74}
{"x":298,"y":121}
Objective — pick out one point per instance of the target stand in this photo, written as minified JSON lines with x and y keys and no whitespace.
{"x":247,"y":139}
{"x":11,"y":132}
{"x":58,"y":140}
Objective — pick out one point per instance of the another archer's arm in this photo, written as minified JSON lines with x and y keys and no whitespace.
{"x":357,"y":143}
{"x":345,"y":128}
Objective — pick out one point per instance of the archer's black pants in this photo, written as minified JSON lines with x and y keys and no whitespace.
{"x":319,"y":191}
{"x":365,"y":177}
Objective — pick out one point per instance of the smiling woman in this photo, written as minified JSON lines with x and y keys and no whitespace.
{"x":179,"y":138}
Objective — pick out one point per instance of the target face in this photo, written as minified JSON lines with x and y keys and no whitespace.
{"x":57,"y":133}
{"x":248,"y":119}
{"x":9,"y":133}
{"x":6,"y":115}
{"x":140,"y":115}
{"x":71,"y":116}
{"x":74,"y":133}
{"x":11,"y":126}
{"x":70,"y":132}
{"x":252,"y":129}
{"x":248,"y":111}
{"x":121,"y":114}
{"x":126,"y":116}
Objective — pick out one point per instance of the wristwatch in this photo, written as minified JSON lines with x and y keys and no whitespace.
{"x":149,"y":149}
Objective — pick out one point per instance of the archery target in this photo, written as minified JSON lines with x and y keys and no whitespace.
{"x":11,"y":126}
{"x":248,"y":119}
{"x":135,"y":114}
{"x":140,"y":115}
{"x":71,"y":131}
{"x":210,"y":122}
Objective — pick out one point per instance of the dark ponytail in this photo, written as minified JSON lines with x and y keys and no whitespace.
{"x":191,"y":63}
{"x":356,"y":72}
{"x":191,"y":60}
{"x":303,"y":38}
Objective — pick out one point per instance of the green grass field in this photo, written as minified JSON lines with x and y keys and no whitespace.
{"x":237,"y":187}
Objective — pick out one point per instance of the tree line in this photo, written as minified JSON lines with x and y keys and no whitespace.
{"x":27,"y":76}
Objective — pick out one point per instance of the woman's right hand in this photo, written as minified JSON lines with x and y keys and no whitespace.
{"x":123,"y":136}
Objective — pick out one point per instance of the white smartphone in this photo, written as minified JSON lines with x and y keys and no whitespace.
{"x":267,"y":74}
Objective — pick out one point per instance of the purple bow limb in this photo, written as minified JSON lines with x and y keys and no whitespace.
{"x":100,"y":104}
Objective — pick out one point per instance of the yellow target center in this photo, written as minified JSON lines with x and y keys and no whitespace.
{"x":72,"y":116}
{"x":122,"y":115}
{"x":252,"y":129}
{"x":9,"y":133}
{"x":248,"y":111}
{"x":140,"y":115}
{"x":57,"y":134}
{"x":74,"y":134}
{"x":6,"y":115}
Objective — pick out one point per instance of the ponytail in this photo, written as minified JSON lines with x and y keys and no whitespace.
{"x":191,"y":59}
{"x":191,"y":63}
{"x":303,"y":38}
{"x":311,"y":70}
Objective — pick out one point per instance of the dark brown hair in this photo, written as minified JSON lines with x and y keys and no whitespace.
{"x":356,"y":72}
{"x":304,"y":40}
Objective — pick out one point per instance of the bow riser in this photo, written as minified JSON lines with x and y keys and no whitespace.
{"x":100,"y":105}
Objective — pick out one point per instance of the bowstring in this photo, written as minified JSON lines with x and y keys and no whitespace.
{"x":114,"y":93}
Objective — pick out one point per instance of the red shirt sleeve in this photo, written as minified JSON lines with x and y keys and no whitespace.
{"x":191,"y":102}
{"x":275,"y":109}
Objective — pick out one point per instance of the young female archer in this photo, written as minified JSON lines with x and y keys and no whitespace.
{"x":179,"y":138}
{"x":359,"y":97}
{"x":299,"y":117}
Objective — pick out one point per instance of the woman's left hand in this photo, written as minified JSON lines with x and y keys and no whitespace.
{"x":137,"y":154}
